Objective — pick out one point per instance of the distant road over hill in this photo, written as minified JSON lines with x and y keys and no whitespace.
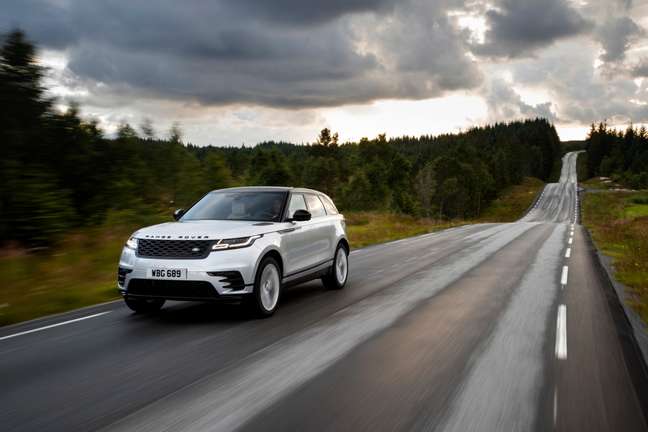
{"x":490,"y":327}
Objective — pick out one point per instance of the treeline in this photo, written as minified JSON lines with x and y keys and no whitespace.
{"x":445,"y":176}
{"x":620,"y":155}
{"x":59,"y":171}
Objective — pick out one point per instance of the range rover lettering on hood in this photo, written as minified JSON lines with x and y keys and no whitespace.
{"x":193,"y":237}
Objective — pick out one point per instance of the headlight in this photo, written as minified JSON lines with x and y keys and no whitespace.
{"x":234,"y":243}
{"x":131,"y":243}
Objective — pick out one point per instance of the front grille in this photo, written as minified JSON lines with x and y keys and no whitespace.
{"x":232,"y":279}
{"x":200,"y":290}
{"x":183,"y":249}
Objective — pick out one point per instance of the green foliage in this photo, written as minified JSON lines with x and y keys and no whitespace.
{"x":513,"y":201}
{"x":218,"y":174}
{"x":271,"y":169}
{"x":621,"y":155}
{"x":425,"y":186}
{"x":618,"y":222}
{"x":36,"y":210}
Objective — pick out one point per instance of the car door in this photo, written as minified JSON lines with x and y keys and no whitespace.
{"x":297,"y":239}
{"x":320,"y":229}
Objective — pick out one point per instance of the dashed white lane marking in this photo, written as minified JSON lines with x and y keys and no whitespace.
{"x":510,"y":367}
{"x":571,"y":239}
{"x":568,"y":253}
{"x":561,"y":333}
{"x":53,"y":325}
{"x":563,"y":277}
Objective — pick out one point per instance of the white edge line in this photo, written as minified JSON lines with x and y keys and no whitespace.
{"x":53,"y":325}
{"x":561,"y":333}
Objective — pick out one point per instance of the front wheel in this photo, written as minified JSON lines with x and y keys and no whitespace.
{"x":337,"y":276}
{"x":267,"y":288}
{"x":144,"y":305}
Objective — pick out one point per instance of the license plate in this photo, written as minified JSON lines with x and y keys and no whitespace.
{"x":167,"y":273}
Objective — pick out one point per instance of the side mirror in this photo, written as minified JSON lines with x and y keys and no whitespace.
{"x":300,"y":216}
{"x":178,"y":214}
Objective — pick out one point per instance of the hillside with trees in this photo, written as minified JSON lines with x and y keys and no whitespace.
{"x":60,"y":171}
{"x":620,"y":155}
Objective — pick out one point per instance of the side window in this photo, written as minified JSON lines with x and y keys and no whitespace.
{"x":329,"y":206}
{"x":315,"y":206}
{"x":296,"y":203}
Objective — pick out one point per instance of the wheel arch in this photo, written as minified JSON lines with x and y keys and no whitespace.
{"x":272,"y":253}
{"x":345,"y":243}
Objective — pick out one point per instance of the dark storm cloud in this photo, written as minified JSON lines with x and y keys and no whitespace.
{"x":46,"y":21}
{"x":516,"y":28}
{"x":303,"y":12}
{"x":288,"y":53}
{"x":616,"y":35}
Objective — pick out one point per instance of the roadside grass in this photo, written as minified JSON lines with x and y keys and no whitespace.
{"x":367,"y":228}
{"x":513,"y":202}
{"x":618,"y":222}
{"x":80,"y":272}
{"x":82,"y":269}
{"x":594,"y":183}
{"x":600,"y":183}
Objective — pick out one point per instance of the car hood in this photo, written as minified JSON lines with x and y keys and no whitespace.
{"x":207,"y":229}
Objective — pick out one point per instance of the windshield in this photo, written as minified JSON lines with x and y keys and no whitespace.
{"x":239,"y":206}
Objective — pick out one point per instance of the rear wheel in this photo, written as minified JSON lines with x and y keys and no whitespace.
{"x":267,"y":288}
{"x":337,"y":276}
{"x":144,"y":305}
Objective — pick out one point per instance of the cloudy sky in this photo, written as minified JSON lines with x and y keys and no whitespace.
{"x":243,"y":71}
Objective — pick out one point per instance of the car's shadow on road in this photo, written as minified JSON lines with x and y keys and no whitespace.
{"x":196,"y":313}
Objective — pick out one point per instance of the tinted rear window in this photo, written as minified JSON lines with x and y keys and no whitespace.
{"x":315,"y":206}
{"x":329,"y":206}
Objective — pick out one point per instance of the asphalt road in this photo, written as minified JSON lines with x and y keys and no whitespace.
{"x":486,"y":327}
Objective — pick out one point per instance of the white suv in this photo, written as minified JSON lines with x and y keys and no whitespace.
{"x":238,"y":244}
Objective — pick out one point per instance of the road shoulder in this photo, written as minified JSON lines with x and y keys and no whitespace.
{"x":631,"y":329}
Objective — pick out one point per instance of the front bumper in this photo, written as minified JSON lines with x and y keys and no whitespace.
{"x":227,"y":274}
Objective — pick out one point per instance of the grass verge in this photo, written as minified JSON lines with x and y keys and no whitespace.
{"x":367,"y":228}
{"x":513,"y":202}
{"x":618,"y":222}
{"x":81,"y":271}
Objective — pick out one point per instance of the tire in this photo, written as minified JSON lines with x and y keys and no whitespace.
{"x":144,"y":305}
{"x":267,"y":288}
{"x":338,"y":274}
